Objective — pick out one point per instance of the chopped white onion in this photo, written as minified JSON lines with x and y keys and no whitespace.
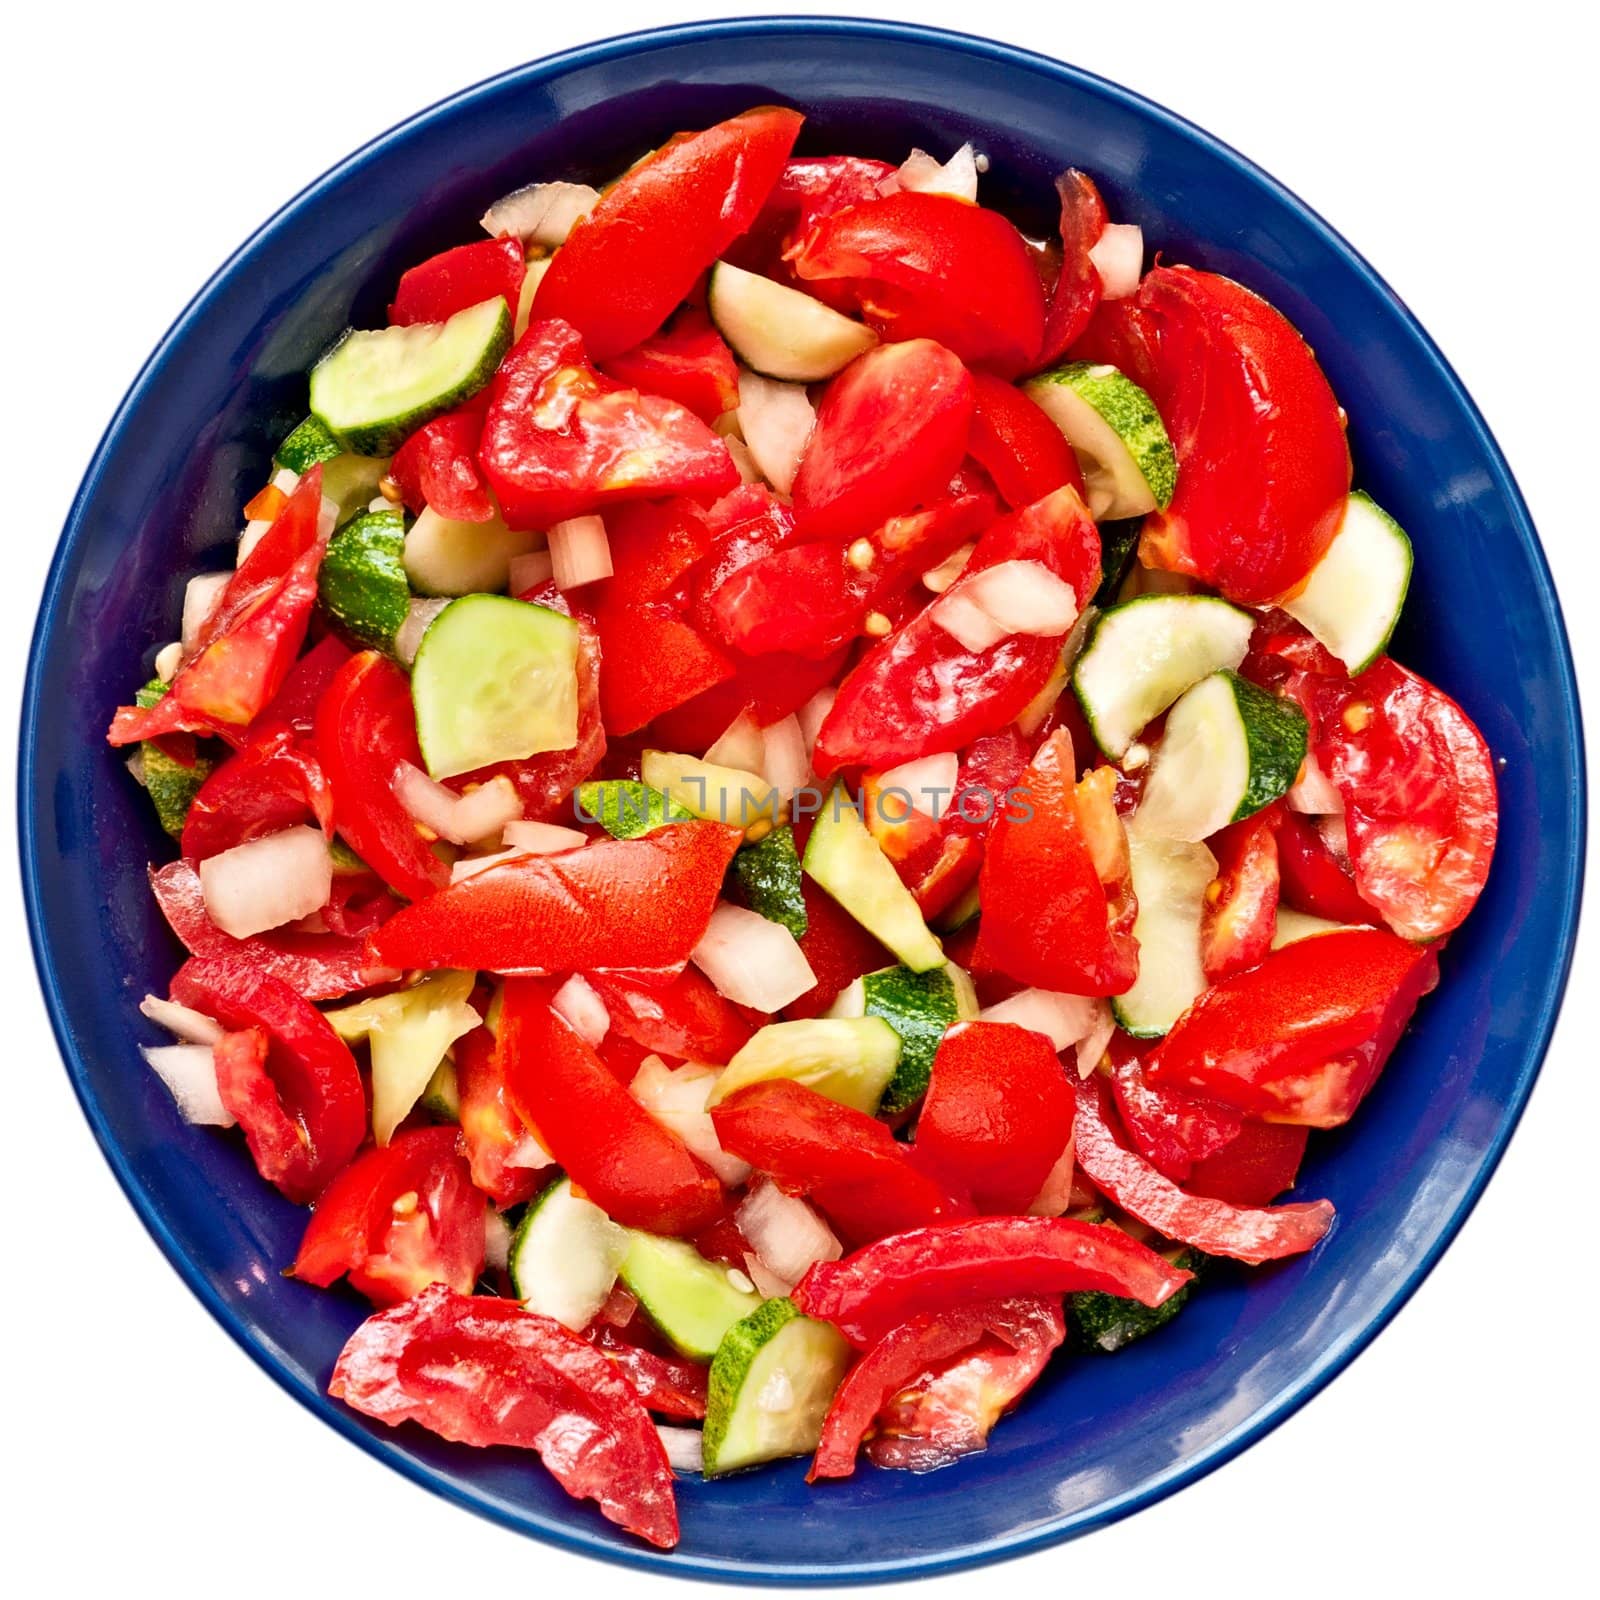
{"x":1056,"y":1194}
{"x":814,"y":713}
{"x":1092,"y":1046}
{"x":254,"y":533}
{"x":168,"y":659}
{"x":958,"y":176}
{"x":740,"y":745}
{"x":1313,"y":792}
{"x":786,"y":757}
{"x":579,"y":552}
{"x":1024,"y":597}
{"x":542,"y":838}
{"x":496,"y":1240}
{"x":540,"y":213}
{"x":583,"y":1008}
{"x":471,"y":866}
{"x":199,"y":599}
{"x":939,"y":578}
{"x":785,"y":1232}
{"x":190,"y":1074}
{"x":327,"y":518}
{"x":193,"y":1027}
{"x":677,"y":1100}
{"x":460,"y":818}
{"x":967,"y":622}
{"x":1118,"y":256}
{"x":749,"y":472}
{"x":684,"y":1447}
{"x":768,"y":1284}
{"x":267,"y":882}
{"x":528,"y":1155}
{"x":776,"y":420}
{"x":930,"y":781}
{"x":751,"y":961}
{"x":1336,"y":835}
{"x":529,"y":571}
{"x":482,"y":813}
{"x":285,"y":481}
{"x":1063,"y":1019}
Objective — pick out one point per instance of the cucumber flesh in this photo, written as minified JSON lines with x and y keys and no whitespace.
{"x":495,"y":679}
{"x":691,"y":1301}
{"x":779,"y":331}
{"x":362,"y":581}
{"x":1228,"y":749}
{"x":849,"y":1059}
{"x":351,"y":482}
{"x":376,"y":387}
{"x":1352,"y":600}
{"x":771,"y":1384}
{"x":1293,"y":926}
{"x":1141,"y":655}
{"x":455,"y":558}
{"x":715,"y":793}
{"x":565,"y":1255}
{"x":1115,"y":431}
{"x":1170,"y":879}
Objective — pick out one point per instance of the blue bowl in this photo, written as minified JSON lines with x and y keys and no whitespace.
{"x":1097,"y":1438}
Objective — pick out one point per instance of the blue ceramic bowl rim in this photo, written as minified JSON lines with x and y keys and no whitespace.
{"x":1317,"y":1376}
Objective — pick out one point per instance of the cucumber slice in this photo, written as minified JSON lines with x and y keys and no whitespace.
{"x":1293,"y":926}
{"x":374,"y":388}
{"x":1228,"y":750}
{"x":849,"y":1059}
{"x":920,"y":1007}
{"x":779,"y":331}
{"x":1352,"y":599}
{"x":1119,"y":543}
{"x":455,"y":558}
{"x":362,"y":581}
{"x":565,"y":1255}
{"x":1106,"y":1323}
{"x":771,"y":1384}
{"x":442,"y":1097}
{"x":305,"y":446}
{"x":844,"y":859}
{"x":691,"y":1301}
{"x":768,"y":875}
{"x":718,"y":794}
{"x":1170,"y":878}
{"x":351,"y":482}
{"x":626,"y":808}
{"x":495,"y":679}
{"x":170,"y":785}
{"x":1143,"y":654}
{"x":1116,"y":433}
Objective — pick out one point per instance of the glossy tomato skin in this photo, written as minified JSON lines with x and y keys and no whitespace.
{"x":664,"y":1383}
{"x":1056,"y":884}
{"x":685,"y":1020}
{"x":931,"y":266}
{"x":483,"y":1371}
{"x":397,"y":1219}
{"x":810,"y":188}
{"x":891,"y":431}
{"x":1263,"y":468}
{"x":438,"y":466}
{"x":1173,"y":1131}
{"x":637,"y":254}
{"x":435,"y":289}
{"x":295,"y":704}
{"x":271,"y":784}
{"x":1313,"y":876}
{"x":770,"y":687}
{"x":1020,"y":448}
{"x":638,"y":1172}
{"x":688,"y":361}
{"x":1303,"y":1036}
{"x":491,"y":1131}
{"x":1241,"y":904}
{"x":1254,"y":1168}
{"x":997,"y":1114}
{"x":1077,"y":288}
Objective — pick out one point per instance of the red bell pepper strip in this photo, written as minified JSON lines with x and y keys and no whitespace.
{"x":306,"y":1112}
{"x":1255,"y":1168}
{"x":321,"y":966}
{"x":397,"y":1219}
{"x":1020,"y":448}
{"x":891,"y":430}
{"x":1313,"y":876}
{"x":921,"y":689}
{"x":1241,"y":902}
{"x":483,"y":1371}
{"x":1171,"y":1130}
{"x":365,"y":728}
{"x":1056,"y":884}
{"x":666,"y":1384}
{"x":687,"y":362}
{"x":638,"y":1172}
{"x":809,"y":189}
{"x":897,"y":1358}
{"x":997,"y":1114}
{"x":438,"y":466}
{"x":436,"y":289}
{"x":295,"y":704}
{"x":931,"y":266}
{"x":955,"y":1263}
{"x":616,"y":904}
{"x":559,"y":440}
{"x":271,"y":784}
{"x":685,"y":1021}
{"x":1214,"y":1226}
{"x":1303,"y":1036}
{"x":838,"y":949}
{"x":1077,"y":287}
{"x":491,"y":1130}
{"x":628,"y":264}
{"x":854,"y":1170}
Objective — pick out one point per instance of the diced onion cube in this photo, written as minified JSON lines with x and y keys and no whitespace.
{"x":929,"y":781}
{"x":580,"y":553}
{"x":1118,"y":256}
{"x":583,"y":1008}
{"x":267,"y":882}
{"x":193,"y":1027}
{"x":751,"y":961}
{"x":190,"y":1074}
{"x":785,"y":1233}
{"x":542,"y":838}
{"x":677,"y":1100}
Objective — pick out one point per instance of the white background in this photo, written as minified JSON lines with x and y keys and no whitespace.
{"x":143,"y":142}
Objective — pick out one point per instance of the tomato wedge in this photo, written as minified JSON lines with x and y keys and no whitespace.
{"x":638,"y":1172}
{"x":688,"y":362}
{"x":271,"y":784}
{"x":1077,"y":287}
{"x":1241,"y":904}
{"x":666,"y":1384}
{"x":397,"y":1219}
{"x":305,"y":683}
{"x":627,"y":264}
{"x":809,"y":189}
{"x":491,"y":1131}
{"x":438,"y":466}
{"x":686,"y":1020}
{"x":1254,"y":1168}
{"x":837,"y":949}
{"x":435,"y":289}
{"x":485,"y":1372}
{"x":1173,"y":1131}
{"x":1020,"y":448}
{"x":1314,"y":876}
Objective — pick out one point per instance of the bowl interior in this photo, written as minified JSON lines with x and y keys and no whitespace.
{"x":1097,"y":1437}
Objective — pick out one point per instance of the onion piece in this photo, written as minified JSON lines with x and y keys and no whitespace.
{"x":785,"y":757}
{"x":787,"y":1235}
{"x":814,"y":713}
{"x":168,"y":659}
{"x":939,"y":578}
{"x":677,"y":1100}
{"x":749,"y":472}
{"x":190,"y":1074}
{"x":408,"y":636}
{"x":267,"y":882}
{"x":192,"y":1027}
{"x":460,"y":818}
{"x":471,"y":866}
{"x":528,"y":1155}
{"x":776,"y":420}
{"x":768,"y":1284}
{"x":540,"y":213}
{"x":923,"y":174}
{"x":577,"y":1001}
{"x":1118,"y":256}
{"x":496,"y":1240}
{"x":751,"y":961}
{"x":740,"y":745}
{"x":1092,"y":1046}
{"x":1313,"y":792}
{"x":579,"y":552}
{"x":254,"y":533}
{"x":1024,"y":597}
{"x":542,"y":838}
{"x":684,"y":1447}
{"x":929,"y":781}
{"x":200,"y":597}
{"x":1063,"y":1019}
{"x":967,"y":622}
{"x":529,"y":571}
{"x":1056,"y":1193}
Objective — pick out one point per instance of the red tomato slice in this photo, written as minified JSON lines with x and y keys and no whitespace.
{"x":397,"y":1220}
{"x":1171,"y":1130}
{"x":808,"y":190}
{"x":1214,"y":1226}
{"x":665,"y":1384}
{"x":1025,"y":453}
{"x":272,"y":784}
{"x":933,"y":267}
{"x":1077,"y":286}
{"x":997,"y":1114}
{"x":438,"y":466}
{"x":1241,"y":905}
{"x":435,"y":289}
{"x":304,"y":685}
{"x":485,"y":1372}
{"x":1303,"y":1036}
{"x":1314,"y":877}
{"x":629,"y":262}
{"x":854,"y":1170}
{"x":890,"y":433}
{"x":1255,"y":1168}
{"x":638,"y":1172}
{"x":687,"y":362}
{"x":769,"y":687}
{"x":561,"y":441}
{"x":365,"y":728}
{"x":956,"y":1263}
{"x":686,"y":1021}
{"x":837,"y":948}
{"x":305,"y":1082}
{"x":1421,"y":811}
{"x":491,"y":1130}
